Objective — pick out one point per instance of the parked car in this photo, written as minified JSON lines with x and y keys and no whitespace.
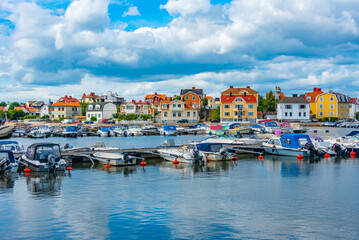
{"x":328,"y":124}
{"x":67,"y":121}
{"x":109,"y":121}
{"x":214,"y":121}
{"x":77,"y":121}
{"x":88,"y":122}
{"x":306,"y":121}
{"x":182,"y":121}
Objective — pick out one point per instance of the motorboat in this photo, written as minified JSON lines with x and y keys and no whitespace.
{"x":57,"y":130}
{"x":323,"y":145}
{"x":216,"y":130}
{"x":114,"y":159}
{"x":36,"y":133}
{"x":290,"y":144}
{"x":150,"y":129}
{"x":256,"y":128}
{"x":271,"y":127}
{"x":44,"y":157}
{"x":285,"y":127}
{"x":297,"y":128}
{"x":46,"y":128}
{"x":134,"y":130}
{"x":198,"y":128}
{"x":120,"y":130}
{"x":13,"y":146}
{"x":237,"y":128}
{"x":169,"y":130}
{"x":6,"y":131}
{"x":92,"y":131}
{"x":104,"y":132}
{"x":180,"y":129}
{"x":99,"y":146}
{"x":70,"y":131}
{"x":187,"y":153}
{"x":214,"y":151}
{"x":239,"y":139}
{"x":7,"y":162}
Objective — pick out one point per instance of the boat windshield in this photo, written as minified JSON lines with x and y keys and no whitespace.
{"x":302,"y":141}
{"x":4,"y":155}
{"x":274,"y":142}
{"x":43,"y":152}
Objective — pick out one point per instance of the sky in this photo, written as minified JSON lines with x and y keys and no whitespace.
{"x":51,"y":48}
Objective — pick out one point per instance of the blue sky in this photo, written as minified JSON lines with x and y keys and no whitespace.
{"x":49,"y":48}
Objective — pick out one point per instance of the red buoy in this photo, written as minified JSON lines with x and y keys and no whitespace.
{"x":234,"y":158}
{"x":107,"y":166}
{"x":326,"y":155}
{"x":143,"y":163}
{"x":260,"y":157}
{"x":207,"y":159}
{"x":352,"y":154}
{"x":175,"y":161}
{"x":69,"y":168}
{"x":300,"y":157}
{"x":27,"y":170}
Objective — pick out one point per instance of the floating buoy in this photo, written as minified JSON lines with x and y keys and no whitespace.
{"x":107,"y":166}
{"x":207,"y":159}
{"x":234,"y":158}
{"x":69,"y":168}
{"x":300,"y":157}
{"x":27,"y":170}
{"x":326,"y":155}
{"x":175,"y":162}
{"x":352,"y":154}
{"x":260,"y":157}
{"x":143,"y":163}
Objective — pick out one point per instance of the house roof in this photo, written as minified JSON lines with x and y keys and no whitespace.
{"x":194,"y":90}
{"x":342,"y":98}
{"x":18,"y":108}
{"x":2,"y":108}
{"x":353,"y":100}
{"x":259,"y":113}
{"x":313,"y":94}
{"x":32,"y":109}
{"x":236,"y":91}
{"x":63,"y":104}
{"x":230,"y":99}
{"x":293,"y":100}
{"x":162,"y":96}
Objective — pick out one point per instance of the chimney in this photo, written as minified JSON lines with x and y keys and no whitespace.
{"x":248,"y":86}
{"x":330,"y":91}
{"x":230,"y":86}
{"x":295,"y":95}
{"x":193,"y":88}
{"x":65,"y":96}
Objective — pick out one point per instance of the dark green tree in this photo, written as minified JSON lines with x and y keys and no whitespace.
{"x":205,"y":102}
{"x":3,"y":104}
{"x":84,"y":107}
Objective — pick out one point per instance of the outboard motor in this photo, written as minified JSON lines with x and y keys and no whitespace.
{"x":337,"y":149}
{"x":223,"y":150}
{"x":126,"y":157}
{"x":5,"y":166}
{"x":52,"y":163}
{"x":310,"y":146}
{"x":66,"y":146}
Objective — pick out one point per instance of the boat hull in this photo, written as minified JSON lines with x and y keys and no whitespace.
{"x":286,"y":151}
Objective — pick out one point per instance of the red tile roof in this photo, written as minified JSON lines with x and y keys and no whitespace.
{"x":63,"y":104}
{"x":247,"y":98}
{"x":314,"y":94}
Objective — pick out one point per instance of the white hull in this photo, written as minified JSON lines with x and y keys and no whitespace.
{"x":114,"y":159}
{"x":36,"y":166}
{"x":286,"y":151}
{"x":186,"y":156}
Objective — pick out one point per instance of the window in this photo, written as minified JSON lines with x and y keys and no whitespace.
{"x":320,"y":113}
{"x":90,"y":107}
{"x":250,"y":106}
{"x":193,"y":97}
{"x":290,"y":114}
{"x":304,"y":114}
{"x":194,"y":114}
{"x":235,"y":113}
{"x":300,"y":114}
{"x":187,"y":97}
{"x":226,"y":114}
{"x":309,"y":98}
{"x":321,"y":99}
{"x":164,"y":105}
{"x":165,"y":114}
{"x":331,"y":98}
{"x":179,"y":105}
{"x":321,"y":106}
{"x":63,"y":109}
{"x":286,"y":114}
{"x":331,"y":114}
{"x":179,"y":114}
{"x":195,"y":105}
{"x":88,"y":115}
{"x":174,"y":105}
{"x":174,"y":114}
{"x":53,"y":109}
{"x":332,"y":106}
{"x":302,"y":106}
{"x":276,"y":142}
{"x":188,"y":114}
{"x":239,"y":107}
{"x":226,"y":106}
{"x":250,"y":114}
{"x":288,"y":106}
{"x":58,"y":109}
{"x":97,"y":107}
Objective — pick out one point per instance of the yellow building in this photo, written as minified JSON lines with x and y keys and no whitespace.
{"x":311,"y":97}
{"x":332,"y":105}
{"x":240,"y":91}
{"x":237,"y":108}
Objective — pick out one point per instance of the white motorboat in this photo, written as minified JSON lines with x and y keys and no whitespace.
{"x":271,"y":127}
{"x":70,"y":131}
{"x":115,"y":159}
{"x":134,"y":130}
{"x":99,"y":146}
{"x":44,"y":157}
{"x":184,"y":154}
{"x":198,"y":128}
{"x":214,"y":151}
{"x":13,"y":146}
{"x":150,"y":129}
{"x":120,"y":130}
{"x":290,"y":144}
{"x":104,"y":132}
{"x":7,"y":162}
{"x":236,"y":140}
{"x":36,"y":133}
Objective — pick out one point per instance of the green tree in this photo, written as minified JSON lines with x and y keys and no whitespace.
{"x":3,"y":104}
{"x":177,"y":98}
{"x":93,"y":119}
{"x":260,"y":103}
{"x":131,"y":116}
{"x":357,"y":115}
{"x":45,"y":117}
{"x":145,"y":117}
{"x":205,"y":102}
{"x":269,"y":103}
{"x":15,"y":114}
{"x":215,"y":114}
{"x":84,"y":107}
{"x":13,"y":105}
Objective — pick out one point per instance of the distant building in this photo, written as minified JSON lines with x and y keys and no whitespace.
{"x":353,"y":107}
{"x":198,"y":92}
{"x":293,"y":109}
{"x":46,"y":109}
{"x":211,"y":102}
{"x":100,"y":110}
{"x":90,"y":98}
{"x":134,"y":107}
{"x":66,"y":107}
{"x":175,"y":110}
{"x":114,"y":98}
{"x":311,"y":97}
{"x":332,"y":105}
{"x":154,"y":100}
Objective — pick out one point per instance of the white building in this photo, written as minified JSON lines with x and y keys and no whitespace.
{"x":353,"y":107}
{"x":113,"y":97}
{"x":100,"y":110}
{"x":293,"y":109}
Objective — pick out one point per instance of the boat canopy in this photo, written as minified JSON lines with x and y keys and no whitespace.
{"x":216,"y":127}
{"x":234,"y":125}
{"x":270,"y":124}
{"x":104,"y":129}
{"x":284,"y":125}
{"x":257,"y":126}
{"x":198,"y":125}
{"x":353,"y":133}
{"x":71,"y":129}
{"x":41,"y":151}
{"x":209,"y":147}
{"x":7,"y":154}
{"x":292,"y":140}
{"x":112,"y":128}
{"x":169,"y":128}
{"x":8,"y":142}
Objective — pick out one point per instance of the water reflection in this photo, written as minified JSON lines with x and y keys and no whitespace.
{"x":7,"y":181}
{"x":125,"y":170}
{"x":43,"y":184}
{"x":288,"y":166}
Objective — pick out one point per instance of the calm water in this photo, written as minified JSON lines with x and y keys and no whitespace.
{"x":277,"y":198}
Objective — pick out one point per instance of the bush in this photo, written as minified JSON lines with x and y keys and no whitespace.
{"x":145,"y":117}
{"x":333,"y":119}
{"x":131,"y":116}
{"x":45,"y":117}
{"x":61,"y":118}
{"x":93,"y":119}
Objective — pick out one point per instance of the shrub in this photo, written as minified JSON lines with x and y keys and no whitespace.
{"x":93,"y":119}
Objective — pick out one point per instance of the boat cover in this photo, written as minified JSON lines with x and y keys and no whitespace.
{"x":270,"y":124}
{"x":40,"y":151}
{"x":7,"y":154}
{"x":169,"y":128}
{"x":293,"y":140}
{"x":353,"y":133}
{"x":209,"y":147}
{"x":8,"y":142}
{"x":234,"y":125}
{"x":71,"y":129}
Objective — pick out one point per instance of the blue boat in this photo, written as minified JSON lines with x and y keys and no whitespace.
{"x":70,"y":131}
{"x":290,"y":144}
{"x":214,"y":151}
{"x":13,"y":146}
{"x":169,"y":130}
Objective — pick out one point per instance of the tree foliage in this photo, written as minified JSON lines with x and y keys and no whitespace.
{"x":215,"y":114}
{"x":15,"y":114}
{"x":205,"y":102}
{"x":3,"y":104}
{"x":145,"y":117}
{"x":93,"y":119}
{"x":84,"y":107}
{"x":177,"y":98}
{"x":13,"y":105}
{"x":130,"y":117}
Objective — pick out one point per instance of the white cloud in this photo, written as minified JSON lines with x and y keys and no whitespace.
{"x":185,"y":7}
{"x":132,"y":11}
